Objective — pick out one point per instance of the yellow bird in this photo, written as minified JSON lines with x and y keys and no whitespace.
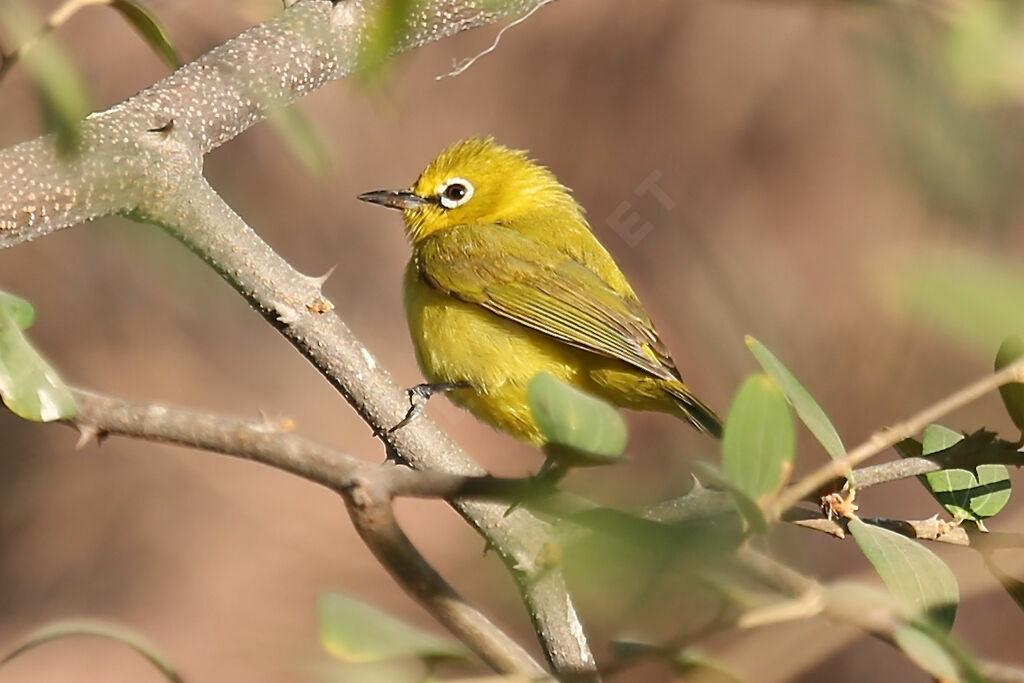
{"x":507,"y":281}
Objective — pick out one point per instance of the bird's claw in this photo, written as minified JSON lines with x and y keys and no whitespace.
{"x":419,"y":395}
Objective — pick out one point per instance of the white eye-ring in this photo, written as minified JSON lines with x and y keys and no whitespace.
{"x":455,"y":192}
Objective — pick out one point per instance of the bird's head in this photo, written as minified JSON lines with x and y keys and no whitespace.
{"x":475,"y":181}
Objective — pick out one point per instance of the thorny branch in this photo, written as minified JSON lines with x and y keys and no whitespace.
{"x":367,"y":488}
{"x":143,"y":158}
{"x":272,"y":444}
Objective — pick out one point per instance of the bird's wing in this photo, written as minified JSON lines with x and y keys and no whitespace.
{"x":535,"y":285}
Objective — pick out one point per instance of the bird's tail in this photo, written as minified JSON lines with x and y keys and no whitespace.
{"x":696,"y":411}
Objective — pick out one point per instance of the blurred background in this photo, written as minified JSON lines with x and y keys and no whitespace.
{"x":840,"y":180}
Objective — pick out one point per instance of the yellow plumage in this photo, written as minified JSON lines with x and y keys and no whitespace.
{"x":507,"y":281}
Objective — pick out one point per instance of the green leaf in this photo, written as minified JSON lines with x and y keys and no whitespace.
{"x":69,"y":628}
{"x":150,"y":29}
{"x":909,"y":448}
{"x":64,"y":93}
{"x":1010,"y":350}
{"x":584,"y":430}
{"x":984,"y":42}
{"x":914,"y":574}
{"x":807,"y":409}
{"x":1013,"y":587}
{"x":929,"y":647}
{"x":703,"y":667}
{"x":747,"y":507}
{"x":354,"y":631}
{"x":29,"y":387}
{"x":389,"y":24}
{"x":928,"y":654}
{"x":963,"y":493}
{"x":302,"y":138}
{"x":20,"y":311}
{"x":759,"y":442}
{"x":974,"y":298}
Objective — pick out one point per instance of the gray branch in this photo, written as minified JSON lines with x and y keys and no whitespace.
{"x":143,"y":158}
{"x":367,"y":489}
{"x":209,"y":101}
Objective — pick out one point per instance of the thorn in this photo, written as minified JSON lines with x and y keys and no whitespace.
{"x":697,"y":486}
{"x":320,"y":280}
{"x":87,"y":433}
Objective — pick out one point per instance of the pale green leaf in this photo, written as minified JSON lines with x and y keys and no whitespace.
{"x":703,"y":667}
{"x":389,"y":23}
{"x":974,"y":298}
{"x":1012,"y":394}
{"x":354,"y":631}
{"x":29,"y":387}
{"x":747,"y":507}
{"x":984,"y":50}
{"x":927,"y":654}
{"x":21,"y":312}
{"x":914,"y":574}
{"x":759,"y":442}
{"x":149,"y":28}
{"x":64,"y":93}
{"x":302,"y":138}
{"x":583,"y":429}
{"x":807,"y":409}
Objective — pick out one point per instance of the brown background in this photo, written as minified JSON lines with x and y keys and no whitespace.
{"x":771,"y":126}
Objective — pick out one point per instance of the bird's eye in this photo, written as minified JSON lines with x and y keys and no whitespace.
{"x":455,"y":192}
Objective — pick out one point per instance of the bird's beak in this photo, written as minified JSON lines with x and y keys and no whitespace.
{"x":395,"y":199}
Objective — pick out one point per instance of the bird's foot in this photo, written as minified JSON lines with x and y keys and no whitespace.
{"x":418,"y":397}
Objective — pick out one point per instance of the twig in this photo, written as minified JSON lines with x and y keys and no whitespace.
{"x":374,"y":519}
{"x":272,"y":444}
{"x":465,"y":64}
{"x":885,"y":438}
{"x":56,"y":19}
{"x":963,"y":454}
{"x":931,"y":529}
{"x":263,"y":442}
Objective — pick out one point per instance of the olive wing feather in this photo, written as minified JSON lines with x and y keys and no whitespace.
{"x":535,"y":285}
